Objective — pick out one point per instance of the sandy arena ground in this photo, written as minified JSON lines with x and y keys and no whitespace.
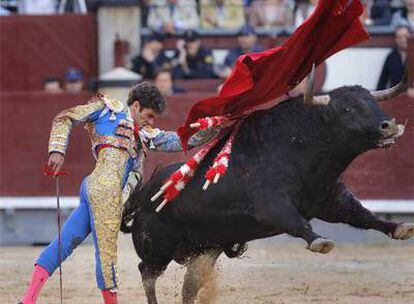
{"x":351,"y":274}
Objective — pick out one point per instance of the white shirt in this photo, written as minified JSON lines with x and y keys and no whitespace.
{"x":38,"y":7}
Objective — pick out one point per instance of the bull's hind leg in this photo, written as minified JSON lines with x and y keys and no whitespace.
{"x":198,"y":270}
{"x":155,"y":243}
{"x":150,"y":274}
{"x":343,"y":207}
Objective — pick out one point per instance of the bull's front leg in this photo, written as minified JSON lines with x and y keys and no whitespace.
{"x":276,"y":213}
{"x":343,"y":207}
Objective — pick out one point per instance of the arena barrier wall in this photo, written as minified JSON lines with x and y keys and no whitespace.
{"x":33,"y":47}
{"x":382,"y":178}
{"x":25,"y":127}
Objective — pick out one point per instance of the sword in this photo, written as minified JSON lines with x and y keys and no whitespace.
{"x":59,"y":238}
{"x":56,"y":175}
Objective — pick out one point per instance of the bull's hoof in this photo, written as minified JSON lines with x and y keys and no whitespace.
{"x":321,"y":245}
{"x":403,"y":231}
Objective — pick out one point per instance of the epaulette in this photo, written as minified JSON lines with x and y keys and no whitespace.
{"x":113,"y":105}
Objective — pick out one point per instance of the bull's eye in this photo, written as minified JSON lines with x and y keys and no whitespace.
{"x":347,"y":110}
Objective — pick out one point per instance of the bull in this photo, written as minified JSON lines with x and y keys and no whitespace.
{"x":285,"y":170}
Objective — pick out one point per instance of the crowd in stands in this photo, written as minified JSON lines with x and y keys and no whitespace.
{"x":172,"y":16}
{"x":185,"y":19}
{"x":190,"y":59}
{"x":45,"y":7}
{"x":73,"y":82}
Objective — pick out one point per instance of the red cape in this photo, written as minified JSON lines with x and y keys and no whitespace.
{"x":258,"y":78}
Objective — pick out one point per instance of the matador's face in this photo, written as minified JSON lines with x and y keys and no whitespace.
{"x":147,"y":117}
{"x":142,"y":116}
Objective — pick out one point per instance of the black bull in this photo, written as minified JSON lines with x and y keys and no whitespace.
{"x":285,"y":170}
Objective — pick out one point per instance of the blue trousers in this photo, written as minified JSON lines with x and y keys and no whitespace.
{"x":75,"y":229}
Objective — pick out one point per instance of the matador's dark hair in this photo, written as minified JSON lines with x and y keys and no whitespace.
{"x":148,"y":97}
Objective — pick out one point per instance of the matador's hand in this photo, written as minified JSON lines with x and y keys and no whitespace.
{"x":55,"y":162}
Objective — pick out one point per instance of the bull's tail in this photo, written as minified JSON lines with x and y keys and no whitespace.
{"x":134,"y":202}
{"x":129,"y":211}
{"x":128,"y":215}
{"x":126,"y":223}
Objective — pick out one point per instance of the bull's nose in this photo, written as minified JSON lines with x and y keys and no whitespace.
{"x":389,"y":127}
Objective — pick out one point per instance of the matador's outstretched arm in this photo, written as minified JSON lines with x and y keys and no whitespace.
{"x":65,"y":120}
{"x":169,"y":141}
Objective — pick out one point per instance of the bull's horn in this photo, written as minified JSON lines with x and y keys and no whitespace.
{"x":395,"y":90}
{"x":308,"y":97}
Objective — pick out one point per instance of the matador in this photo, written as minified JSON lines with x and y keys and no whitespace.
{"x":120,"y":138}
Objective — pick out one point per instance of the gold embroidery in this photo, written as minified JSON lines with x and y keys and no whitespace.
{"x":63,"y":122}
{"x":105,"y":198}
{"x":113,"y":104}
{"x":125,"y":133}
{"x":105,"y":182}
{"x":126,"y":124}
{"x":127,"y":143}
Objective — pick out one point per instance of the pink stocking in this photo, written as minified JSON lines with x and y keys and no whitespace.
{"x":39,"y":278}
{"x":110,"y":297}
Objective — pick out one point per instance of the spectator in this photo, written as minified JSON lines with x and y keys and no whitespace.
{"x":75,"y":6}
{"x":194,"y":60}
{"x":52,"y":85}
{"x":405,"y":17}
{"x":74,"y":80}
{"x":393,"y":68}
{"x":247,"y":40}
{"x":169,"y":16}
{"x":4,"y":11}
{"x":303,"y":10}
{"x":381,"y":13}
{"x":222,"y":13}
{"x":365,"y":17}
{"x":152,"y":57}
{"x":247,"y":3}
{"x":397,"y":5}
{"x":270,"y":13}
{"x":164,"y":81}
{"x":8,"y":7}
{"x":38,"y":7}
{"x":145,"y":5}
